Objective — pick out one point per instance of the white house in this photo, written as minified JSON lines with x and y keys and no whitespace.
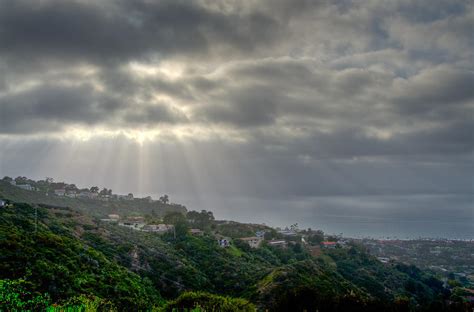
{"x":2,"y":203}
{"x":25,"y":187}
{"x":71,"y":194}
{"x":278,"y":243}
{"x":253,"y":242}
{"x":135,"y":225}
{"x":158,"y":228}
{"x":287,"y":232}
{"x":113,"y":216}
{"x":60,"y":192}
{"x":196,"y":232}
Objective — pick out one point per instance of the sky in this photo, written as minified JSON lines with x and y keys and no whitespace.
{"x":351,"y":116}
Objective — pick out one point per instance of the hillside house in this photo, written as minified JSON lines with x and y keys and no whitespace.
{"x":254,"y":241}
{"x":25,"y":187}
{"x":287,"y":232}
{"x":158,"y":228}
{"x":196,"y":232}
{"x":2,"y":203}
{"x":87,"y":195}
{"x":278,"y":243}
{"x":60,"y":192}
{"x":329,"y":245}
{"x":132,"y":224}
{"x":260,"y":233}
{"x":71,"y":194}
{"x":113,"y":216}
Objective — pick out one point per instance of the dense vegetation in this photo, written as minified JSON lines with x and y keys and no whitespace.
{"x":67,"y":258}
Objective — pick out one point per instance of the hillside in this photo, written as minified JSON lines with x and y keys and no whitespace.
{"x":71,"y":255}
{"x":93,"y":207}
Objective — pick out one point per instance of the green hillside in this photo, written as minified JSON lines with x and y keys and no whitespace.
{"x":70,"y":256}
{"x":92,"y":207}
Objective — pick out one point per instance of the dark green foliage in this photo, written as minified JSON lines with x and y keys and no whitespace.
{"x":206,"y":302}
{"x":15,"y":296}
{"x":60,"y":264}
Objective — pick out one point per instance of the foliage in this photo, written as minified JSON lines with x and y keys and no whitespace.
{"x":206,"y":302}
{"x":52,"y":260}
{"x":14,"y":295}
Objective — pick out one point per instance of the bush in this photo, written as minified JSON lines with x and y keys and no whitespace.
{"x":206,"y":302}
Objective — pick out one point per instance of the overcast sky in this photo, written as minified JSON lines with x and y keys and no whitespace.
{"x":260,"y":110}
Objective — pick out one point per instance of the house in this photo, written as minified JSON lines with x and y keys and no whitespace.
{"x":13,"y":182}
{"x":196,"y":232}
{"x":254,"y":241}
{"x":287,"y":233}
{"x":383,"y":259}
{"x":87,"y":194}
{"x":278,"y":243}
{"x":25,"y":187}
{"x":124,"y":197}
{"x":60,"y":192}
{"x":113,"y":216}
{"x":2,"y":203}
{"x":260,"y":233}
{"x":158,"y":228}
{"x":329,"y":245}
{"x":132,"y":224}
{"x":71,"y":194}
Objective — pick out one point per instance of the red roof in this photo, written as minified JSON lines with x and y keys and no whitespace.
{"x":329,"y":243}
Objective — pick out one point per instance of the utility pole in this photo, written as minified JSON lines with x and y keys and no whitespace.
{"x":36,"y":219}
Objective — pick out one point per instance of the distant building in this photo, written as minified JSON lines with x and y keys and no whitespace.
{"x":278,"y":243}
{"x":13,"y":182}
{"x":25,"y":187}
{"x":132,"y":224}
{"x":260,"y":233}
{"x":329,"y":245}
{"x":253,"y":242}
{"x":71,"y":194}
{"x":60,"y":192}
{"x":113,"y":216}
{"x":2,"y":203}
{"x":196,"y":232}
{"x":383,"y":259}
{"x":87,"y":195}
{"x":287,"y":232}
{"x":124,"y":197}
{"x":158,"y":228}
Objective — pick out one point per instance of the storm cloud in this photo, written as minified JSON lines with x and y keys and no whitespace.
{"x":287,"y":99}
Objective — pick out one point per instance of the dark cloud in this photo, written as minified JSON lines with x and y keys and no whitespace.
{"x":117,"y":31}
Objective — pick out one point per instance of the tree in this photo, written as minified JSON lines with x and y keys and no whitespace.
{"x":164,"y":199}
{"x":173,"y":218}
{"x":7,"y":179}
{"x":94,"y":189}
